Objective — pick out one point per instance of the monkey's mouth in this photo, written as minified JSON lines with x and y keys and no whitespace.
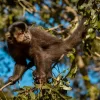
{"x":26,"y":40}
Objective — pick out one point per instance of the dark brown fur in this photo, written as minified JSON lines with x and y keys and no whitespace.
{"x":43,"y":50}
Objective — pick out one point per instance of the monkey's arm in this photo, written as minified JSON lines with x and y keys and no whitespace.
{"x":20,"y":68}
{"x":19,"y":71}
{"x":76,"y":36}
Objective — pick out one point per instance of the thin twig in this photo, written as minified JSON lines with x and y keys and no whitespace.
{"x":62,"y":31}
{"x":96,"y":69}
{"x":69,"y":9}
{"x":27,"y":6}
{"x":53,"y":28}
{"x":98,"y":38}
{"x":9,"y":83}
{"x":67,"y":2}
{"x":97,"y":54}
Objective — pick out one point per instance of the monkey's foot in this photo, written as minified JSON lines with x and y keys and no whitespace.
{"x":40,"y":77}
{"x":49,"y":75}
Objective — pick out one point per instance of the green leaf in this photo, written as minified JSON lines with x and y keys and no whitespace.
{"x":90,"y":30}
{"x":71,"y":56}
{"x":72,"y":73}
{"x":32,"y":95}
{"x":58,"y":77}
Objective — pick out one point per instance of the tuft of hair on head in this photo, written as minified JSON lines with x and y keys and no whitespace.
{"x":20,"y":25}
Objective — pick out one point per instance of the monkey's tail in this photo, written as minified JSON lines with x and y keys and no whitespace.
{"x":76,"y":37}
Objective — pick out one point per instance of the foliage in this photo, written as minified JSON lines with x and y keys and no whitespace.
{"x":60,"y":16}
{"x":46,"y":91}
{"x":5,"y":95}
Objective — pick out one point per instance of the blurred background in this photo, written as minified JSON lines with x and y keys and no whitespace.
{"x":81,"y":66}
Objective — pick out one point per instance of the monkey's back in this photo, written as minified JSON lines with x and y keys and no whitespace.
{"x":43,"y":38}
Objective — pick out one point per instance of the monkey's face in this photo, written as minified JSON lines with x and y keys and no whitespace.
{"x":22,"y":36}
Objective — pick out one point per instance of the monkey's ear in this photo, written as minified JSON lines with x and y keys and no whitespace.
{"x":7,"y":35}
{"x":26,"y":27}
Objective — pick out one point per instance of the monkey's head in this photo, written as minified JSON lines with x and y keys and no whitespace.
{"x":19,"y":32}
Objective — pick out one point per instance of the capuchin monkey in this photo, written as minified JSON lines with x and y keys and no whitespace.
{"x":40,"y":47}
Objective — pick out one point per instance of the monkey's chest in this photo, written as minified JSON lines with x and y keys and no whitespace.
{"x":34,"y":50}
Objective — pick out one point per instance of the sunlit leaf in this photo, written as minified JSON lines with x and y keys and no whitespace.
{"x":66,"y":87}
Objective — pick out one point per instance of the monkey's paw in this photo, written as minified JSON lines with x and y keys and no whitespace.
{"x":49,"y":75}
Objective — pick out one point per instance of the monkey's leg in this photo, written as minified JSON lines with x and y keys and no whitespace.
{"x":42,"y":62}
{"x":48,"y":68}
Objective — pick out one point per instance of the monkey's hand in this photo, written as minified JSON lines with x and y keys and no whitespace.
{"x":14,"y":79}
{"x":11,"y":81}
